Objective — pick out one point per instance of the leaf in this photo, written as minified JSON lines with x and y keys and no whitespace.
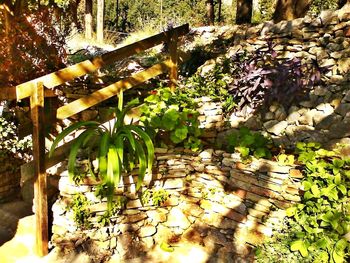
{"x":291,"y":211}
{"x":301,"y":246}
{"x":338,"y":253}
{"x":315,"y":190}
{"x":337,"y":179}
{"x":142,"y":164}
{"x":260,"y":153}
{"x":164,"y":246}
{"x":181,"y":132}
{"x":102,"y":155}
{"x":69,"y":130}
{"x":149,"y":145}
{"x":244,"y":151}
{"x":170,"y":118}
{"x":74,"y":151}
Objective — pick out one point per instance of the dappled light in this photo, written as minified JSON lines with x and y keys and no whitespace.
{"x":228,"y":143}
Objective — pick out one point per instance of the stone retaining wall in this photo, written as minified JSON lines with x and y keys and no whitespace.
{"x":325,"y":116}
{"x":216,"y":204}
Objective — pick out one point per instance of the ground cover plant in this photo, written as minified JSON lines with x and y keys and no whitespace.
{"x":316,"y":229}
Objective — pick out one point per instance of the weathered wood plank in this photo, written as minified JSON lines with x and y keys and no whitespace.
{"x":139,"y":46}
{"x":59,"y":77}
{"x":54,"y":79}
{"x":173,"y":74}
{"x":111,"y":90}
{"x":40,"y":186}
{"x":9,"y":93}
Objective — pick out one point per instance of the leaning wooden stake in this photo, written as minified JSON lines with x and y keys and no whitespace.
{"x":172,"y":44}
{"x":40,"y":187}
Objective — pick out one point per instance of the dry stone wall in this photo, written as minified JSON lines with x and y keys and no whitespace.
{"x":325,"y":116}
{"x":216,"y":204}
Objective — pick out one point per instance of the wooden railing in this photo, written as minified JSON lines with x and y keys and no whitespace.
{"x":36,"y":90}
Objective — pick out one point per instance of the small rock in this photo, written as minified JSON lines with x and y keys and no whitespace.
{"x":206,"y":154}
{"x":176,"y":218}
{"x":276,"y":127}
{"x":343,"y":109}
{"x":147,"y":231}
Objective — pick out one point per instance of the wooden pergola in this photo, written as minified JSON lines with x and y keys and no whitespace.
{"x":36,"y":90}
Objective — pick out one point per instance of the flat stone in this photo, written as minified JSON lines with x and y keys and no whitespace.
{"x":206,"y":154}
{"x":343,"y":109}
{"x":293,"y":117}
{"x":328,"y":121}
{"x":147,"y":231}
{"x":173,"y":183}
{"x":275,"y":127}
{"x":176,"y":218}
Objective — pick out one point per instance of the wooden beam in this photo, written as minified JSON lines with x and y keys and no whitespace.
{"x":56,"y":78}
{"x":9,"y":93}
{"x":40,"y":185}
{"x":139,"y":46}
{"x":59,"y":77}
{"x":111,"y":90}
{"x":172,"y":43}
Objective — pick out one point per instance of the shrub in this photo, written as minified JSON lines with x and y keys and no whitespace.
{"x":31,"y":48}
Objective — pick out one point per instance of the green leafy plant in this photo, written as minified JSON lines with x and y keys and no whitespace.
{"x":119,"y":204}
{"x":81,"y":213}
{"x":119,"y":148}
{"x":248,"y":143}
{"x":315,"y":228}
{"x":156,"y":197}
{"x":172,"y":114}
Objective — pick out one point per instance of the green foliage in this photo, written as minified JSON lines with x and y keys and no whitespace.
{"x":155,"y":197}
{"x":10,"y":144}
{"x":118,"y":204}
{"x":213,"y":84}
{"x":174,"y":114}
{"x":285,"y":159}
{"x":119,"y":149}
{"x":31,"y":48}
{"x":316,"y":226}
{"x":248,"y":143}
{"x":81,"y":214}
{"x":317,"y":6}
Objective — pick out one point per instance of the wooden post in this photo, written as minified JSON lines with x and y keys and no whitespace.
{"x":172,"y":44}
{"x":40,"y":187}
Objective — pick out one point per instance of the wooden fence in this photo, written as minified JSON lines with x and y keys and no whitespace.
{"x":36,"y":90}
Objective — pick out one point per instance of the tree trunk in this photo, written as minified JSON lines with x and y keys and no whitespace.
{"x":88,"y":19}
{"x":290,"y":9}
{"x":219,"y":10}
{"x":210,"y":12}
{"x":244,"y":11}
{"x":100,"y":17}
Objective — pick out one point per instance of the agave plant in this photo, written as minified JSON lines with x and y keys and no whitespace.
{"x":119,"y":147}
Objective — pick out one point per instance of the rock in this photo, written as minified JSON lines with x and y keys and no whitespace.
{"x":343,"y":109}
{"x":176,"y":218}
{"x":275,"y":127}
{"x":206,"y":154}
{"x":280,"y":114}
{"x":293,"y":117}
{"x":326,"y":108}
{"x":343,"y":65}
{"x":173,"y":183}
{"x":147,"y":231}
{"x":346,"y":97}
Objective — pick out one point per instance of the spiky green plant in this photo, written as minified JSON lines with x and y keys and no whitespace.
{"x":119,"y":148}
